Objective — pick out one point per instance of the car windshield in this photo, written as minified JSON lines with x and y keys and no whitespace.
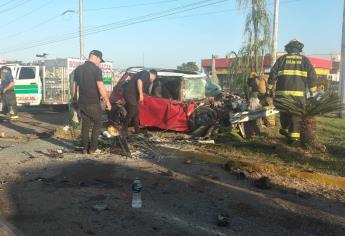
{"x":198,"y":88}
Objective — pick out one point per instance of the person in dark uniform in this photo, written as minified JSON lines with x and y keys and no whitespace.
{"x":140,"y":84}
{"x":9,"y":101}
{"x":293,"y":75}
{"x":89,"y":83}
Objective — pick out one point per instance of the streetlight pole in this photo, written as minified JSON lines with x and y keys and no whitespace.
{"x":275,"y":31}
{"x":342,"y":68}
{"x":81,"y":30}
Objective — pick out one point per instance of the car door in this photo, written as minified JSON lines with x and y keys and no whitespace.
{"x":28,"y":86}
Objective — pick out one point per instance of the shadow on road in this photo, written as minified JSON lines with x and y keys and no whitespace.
{"x":58,"y":199}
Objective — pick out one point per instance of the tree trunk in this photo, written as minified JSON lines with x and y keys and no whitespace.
{"x":256,"y":40}
{"x":308,"y":132}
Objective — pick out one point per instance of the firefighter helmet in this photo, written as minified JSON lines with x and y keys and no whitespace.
{"x":294,"y":44}
{"x":253,"y":75}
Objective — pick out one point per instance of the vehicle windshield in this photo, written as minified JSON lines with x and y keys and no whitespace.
{"x":198,"y":88}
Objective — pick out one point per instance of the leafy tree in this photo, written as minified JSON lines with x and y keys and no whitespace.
{"x":189,"y":66}
{"x":14,"y":62}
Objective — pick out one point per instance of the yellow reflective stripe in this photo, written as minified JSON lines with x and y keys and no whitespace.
{"x":293,"y":72}
{"x":290,"y":93}
{"x":293,"y":57}
{"x":294,"y":135}
{"x":321,"y":71}
{"x":313,"y":89}
{"x":270,"y":86}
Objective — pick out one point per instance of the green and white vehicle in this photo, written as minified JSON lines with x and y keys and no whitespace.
{"x":49,"y":83}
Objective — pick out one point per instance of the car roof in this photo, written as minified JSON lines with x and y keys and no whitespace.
{"x":166,"y":72}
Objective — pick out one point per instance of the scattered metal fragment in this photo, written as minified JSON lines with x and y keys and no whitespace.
{"x":168,"y":173}
{"x":55,"y":153}
{"x":211,"y":141}
{"x":223,"y":220}
{"x":100,"y":207}
{"x":44,"y":180}
{"x":29,"y":154}
{"x":46,"y":134}
{"x":303,"y":195}
{"x":241,"y":175}
{"x":263,"y":183}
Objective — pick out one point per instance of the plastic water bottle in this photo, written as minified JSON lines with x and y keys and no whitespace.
{"x":136,"y":193}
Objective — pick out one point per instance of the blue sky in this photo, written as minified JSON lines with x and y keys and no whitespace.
{"x":164,"y":42}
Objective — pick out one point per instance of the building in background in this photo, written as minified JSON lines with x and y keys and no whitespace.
{"x":326,"y":69}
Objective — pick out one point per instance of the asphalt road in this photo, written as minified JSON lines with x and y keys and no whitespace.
{"x":43,"y":192}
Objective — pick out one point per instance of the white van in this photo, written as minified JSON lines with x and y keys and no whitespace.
{"x":49,"y":84}
{"x":28,"y":85}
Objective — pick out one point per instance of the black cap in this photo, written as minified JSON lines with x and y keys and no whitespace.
{"x":97,"y":54}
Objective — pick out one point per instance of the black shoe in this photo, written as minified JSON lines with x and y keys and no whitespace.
{"x":293,"y":143}
{"x":283,"y":132}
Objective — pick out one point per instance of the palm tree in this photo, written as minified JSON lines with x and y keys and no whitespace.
{"x":257,"y":43}
{"x":257,"y":32}
{"x":318,"y":105}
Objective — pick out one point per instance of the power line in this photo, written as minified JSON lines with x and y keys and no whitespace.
{"x":6,"y":3}
{"x":29,"y":13}
{"x":131,"y":5}
{"x":10,"y":8}
{"x":217,"y":12}
{"x":149,"y":16}
{"x":154,"y":13}
{"x":31,"y":28}
{"x":50,"y":19}
{"x":53,"y":18}
{"x":128,"y":22}
{"x":125,"y":23}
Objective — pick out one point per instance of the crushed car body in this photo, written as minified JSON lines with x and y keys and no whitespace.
{"x":189,"y":101}
{"x":177,"y":94}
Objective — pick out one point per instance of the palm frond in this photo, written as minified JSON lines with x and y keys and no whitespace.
{"x":324,"y":104}
{"x":290,"y":104}
{"x":319,"y":105}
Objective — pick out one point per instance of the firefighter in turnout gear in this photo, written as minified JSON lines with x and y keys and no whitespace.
{"x":292,"y":75}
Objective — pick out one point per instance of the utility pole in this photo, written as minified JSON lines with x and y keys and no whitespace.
{"x":275,"y":31}
{"x":214,"y":70}
{"x":143,"y":59}
{"x":342,"y":68}
{"x":81,"y":30}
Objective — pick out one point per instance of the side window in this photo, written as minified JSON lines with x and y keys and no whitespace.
{"x":27,"y":73}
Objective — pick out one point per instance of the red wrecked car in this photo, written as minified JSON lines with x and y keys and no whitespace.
{"x":177,"y":95}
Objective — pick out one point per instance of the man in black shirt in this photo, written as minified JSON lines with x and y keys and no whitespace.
{"x":88,"y":79}
{"x":140,"y":84}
